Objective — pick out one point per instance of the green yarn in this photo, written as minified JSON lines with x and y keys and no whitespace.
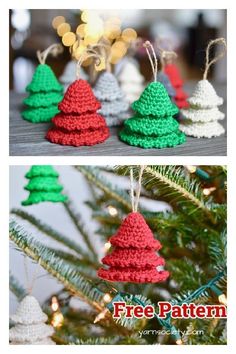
{"x":43,"y":185}
{"x":45,"y":92}
{"x":44,"y":80}
{"x":153,"y":126}
{"x":43,"y":99}
{"x":41,"y":114}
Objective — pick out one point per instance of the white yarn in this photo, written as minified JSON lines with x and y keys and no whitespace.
{"x":29,"y":312}
{"x":30,"y":333}
{"x":202,"y":130}
{"x":130,"y":73}
{"x":202,"y":115}
{"x":204,"y":96}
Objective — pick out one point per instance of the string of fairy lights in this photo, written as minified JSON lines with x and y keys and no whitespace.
{"x":96,"y":31}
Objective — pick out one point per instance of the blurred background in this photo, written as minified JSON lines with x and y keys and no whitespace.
{"x":186,"y":31}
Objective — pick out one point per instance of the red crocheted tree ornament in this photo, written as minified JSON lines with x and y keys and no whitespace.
{"x":174,"y":75}
{"x":78,"y":123}
{"x":134,"y":257}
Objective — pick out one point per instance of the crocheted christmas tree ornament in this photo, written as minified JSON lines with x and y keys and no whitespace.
{"x":134,"y":257}
{"x":131,"y":81}
{"x":43,"y":186}
{"x":78,"y":122}
{"x":201,"y":118}
{"x":30,"y":327}
{"x":164,"y":79}
{"x":180,"y":98}
{"x":114,"y":106}
{"x":45,"y":93}
{"x":153,"y":126}
{"x":69,"y":74}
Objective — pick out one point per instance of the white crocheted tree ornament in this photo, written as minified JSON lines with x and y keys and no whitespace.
{"x":114,"y":106}
{"x":131,"y":81}
{"x":201,"y":118}
{"x":30,"y":327}
{"x":69,"y":74}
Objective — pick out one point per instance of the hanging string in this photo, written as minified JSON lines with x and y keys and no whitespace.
{"x":166,"y":56}
{"x":86,"y":55}
{"x":53,"y":49}
{"x":152,"y":58}
{"x":30,"y":284}
{"x":209,"y":62}
{"x":135,"y":199}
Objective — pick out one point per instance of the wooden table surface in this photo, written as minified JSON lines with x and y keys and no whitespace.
{"x":27,"y":139}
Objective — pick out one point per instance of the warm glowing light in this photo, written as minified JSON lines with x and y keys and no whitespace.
{"x":80,"y":30}
{"x":84,"y":16}
{"x":63,"y":28}
{"x":112,"y":31}
{"x":112,"y":210}
{"x":107,"y":246}
{"x":191,"y":169}
{"x":100,"y":316}
{"x":68,"y":39}
{"x":57,"y":319}
{"x":208,"y":191}
{"x":129,"y":35}
{"x":107,"y":298}
{"x":57,"y":21}
{"x":94,"y":27}
{"x":91,"y":40}
{"x":79,"y":51}
{"x":54,"y":304}
{"x":179,"y":342}
{"x":222,"y":299}
{"x":87,"y":62}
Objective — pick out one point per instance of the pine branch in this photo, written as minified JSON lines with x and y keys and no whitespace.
{"x":76,"y":219}
{"x":67,"y":275}
{"x":49,"y":231}
{"x":16,"y":288}
{"x":93,"y":176}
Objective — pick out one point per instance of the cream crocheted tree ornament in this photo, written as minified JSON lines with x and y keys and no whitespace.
{"x":69,"y":74}
{"x":30,"y":327}
{"x":200,"y":120}
{"x":131,"y":81}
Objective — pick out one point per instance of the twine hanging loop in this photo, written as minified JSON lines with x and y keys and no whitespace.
{"x":135,"y":197}
{"x":152,"y":58}
{"x":209,"y":62}
{"x":53,"y":49}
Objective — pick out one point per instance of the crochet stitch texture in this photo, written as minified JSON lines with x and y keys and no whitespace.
{"x":200,"y":120}
{"x":30,"y":327}
{"x":153,"y":125}
{"x":45,"y":93}
{"x":78,"y":122}
{"x":43,"y":186}
{"x":173,"y":73}
{"x":113,"y":103}
{"x":134,"y":258}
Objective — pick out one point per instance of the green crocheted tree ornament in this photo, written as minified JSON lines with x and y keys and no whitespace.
{"x":45,"y":92}
{"x":43,"y":186}
{"x":153,"y":125}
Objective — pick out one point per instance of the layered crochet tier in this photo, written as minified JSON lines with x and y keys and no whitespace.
{"x":153,"y":125}
{"x":69,"y":74}
{"x":43,"y":186}
{"x":113,"y":104}
{"x":180,"y":98}
{"x":78,"y":122}
{"x":45,"y":93}
{"x":200,"y":120}
{"x":133,"y":257}
{"x":30,"y":327}
{"x":131,"y":81}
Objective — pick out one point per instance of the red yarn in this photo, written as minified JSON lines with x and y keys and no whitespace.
{"x":134,"y":258}
{"x":173,"y":73}
{"x":78,"y":123}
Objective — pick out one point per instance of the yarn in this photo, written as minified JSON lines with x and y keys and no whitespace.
{"x":134,"y":257}
{"x":113,"y":103}
{"x":200,"y":120}
{"x":43,"y":185}
{"x":45,"y":93}
{"x":153,"y":125}
{"x":172,"y":71}
{"x":78,"y":124}
{"x":131,"y":81}
{"x":30,"y":327}
{"x":69,"y":74}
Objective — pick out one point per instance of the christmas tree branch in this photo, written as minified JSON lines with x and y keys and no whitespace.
{"x":93,"y":176}
{"x":49,"y":231}
{"x":16,"y":288}
{"x":67,"y":275}
{"x":76,"y":219}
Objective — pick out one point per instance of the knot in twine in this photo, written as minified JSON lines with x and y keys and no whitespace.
{"x":152,"y":58}
{"x":209,"y":62}
{"x":53,"y":49}
{"x":86,"y":54}
{"x":135,"y":198}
